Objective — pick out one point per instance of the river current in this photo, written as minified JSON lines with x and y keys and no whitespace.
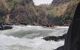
{"x":31,"y":38}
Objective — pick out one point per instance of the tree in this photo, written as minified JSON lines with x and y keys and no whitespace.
{"x":8,"y":5}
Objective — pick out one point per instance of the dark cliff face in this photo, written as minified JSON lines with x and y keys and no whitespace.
{"x":72,"y":41}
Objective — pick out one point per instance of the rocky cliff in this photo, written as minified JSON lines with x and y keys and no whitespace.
{"x":25,"y":12}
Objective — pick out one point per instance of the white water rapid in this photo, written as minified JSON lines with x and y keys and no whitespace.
{"x":30,"y":38}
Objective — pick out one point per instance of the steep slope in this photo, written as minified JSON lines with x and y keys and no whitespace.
{"x":25,"y":12}
{"x":63,"y":6}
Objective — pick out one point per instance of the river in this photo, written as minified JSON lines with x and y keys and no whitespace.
{"x":30,"y":38}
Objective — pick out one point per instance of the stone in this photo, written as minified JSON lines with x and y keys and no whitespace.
{"x":5,"y":27}
{"x":72,"y":41}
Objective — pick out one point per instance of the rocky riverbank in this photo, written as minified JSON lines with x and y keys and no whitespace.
{"x":5,"y":27}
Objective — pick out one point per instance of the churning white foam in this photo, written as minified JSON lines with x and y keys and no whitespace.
{"x":15,"y":39}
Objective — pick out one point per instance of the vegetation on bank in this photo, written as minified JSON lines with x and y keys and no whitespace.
{"x":25,"y":12}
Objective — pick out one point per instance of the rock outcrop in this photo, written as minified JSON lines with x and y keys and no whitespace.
{"x":5,"y":27}
{"x":25,"y":12}
{"x":72,"y":41}
{"x":49,"y":38}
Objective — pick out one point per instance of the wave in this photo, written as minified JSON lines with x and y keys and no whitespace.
{"x":30,"y":38}
{"x":10,"y":43}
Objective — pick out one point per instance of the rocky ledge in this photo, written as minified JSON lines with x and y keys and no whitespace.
{"x":5,"y":27}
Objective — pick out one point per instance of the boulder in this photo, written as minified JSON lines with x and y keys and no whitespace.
{"x":5,"y":27}
{"x":48,"y":38}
